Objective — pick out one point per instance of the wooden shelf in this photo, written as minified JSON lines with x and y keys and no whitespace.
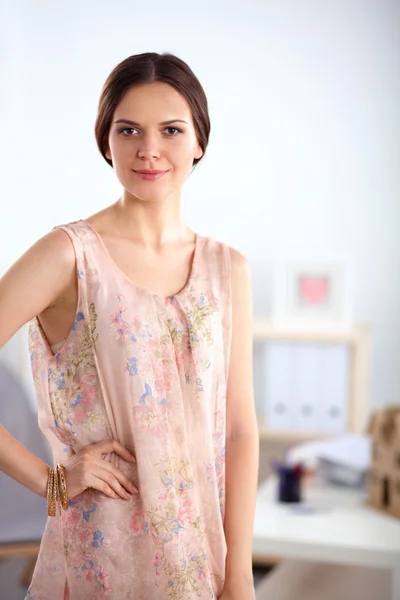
{"x":265,"y":329}
{"x":266,"y":434}
{"x":19,"y":549}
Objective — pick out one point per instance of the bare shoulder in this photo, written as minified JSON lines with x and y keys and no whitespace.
{"x":238,"y":260}
{"x":241,"y":288}
{"x":55,"y":240}
{"x":53,"y":249}
{"x":35,"y":281}
{"x":240,"y":267}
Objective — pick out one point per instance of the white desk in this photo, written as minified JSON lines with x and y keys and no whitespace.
{"x":333,"y":527}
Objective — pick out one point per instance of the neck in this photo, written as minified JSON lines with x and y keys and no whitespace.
{"x":152,"y":223}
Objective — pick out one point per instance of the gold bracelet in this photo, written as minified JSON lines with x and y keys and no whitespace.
{"x":50,"y":494}
{"x":63,"y":486}
{"x":57,"y":491}
{"x":59,"y":504}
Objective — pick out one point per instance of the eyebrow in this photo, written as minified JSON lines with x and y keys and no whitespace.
{"x":138,"y":124}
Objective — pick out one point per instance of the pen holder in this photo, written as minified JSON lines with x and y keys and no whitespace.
{"x":289,"y":489}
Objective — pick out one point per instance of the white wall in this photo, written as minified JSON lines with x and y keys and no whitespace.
{"x":304,"y":154}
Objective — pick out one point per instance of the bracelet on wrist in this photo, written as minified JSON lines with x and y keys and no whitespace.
{"x":57,"y":491}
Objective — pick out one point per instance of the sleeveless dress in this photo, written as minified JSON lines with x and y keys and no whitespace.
{"x":152,"y":373}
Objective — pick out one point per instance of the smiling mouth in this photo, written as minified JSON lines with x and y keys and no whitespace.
{"x":150,"y":175}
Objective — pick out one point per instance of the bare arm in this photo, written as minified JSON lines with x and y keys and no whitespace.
{"x":21,"y":464}
{"x":31,"y":285}
{"x":242,"y":444}
{"x":34,"y":283}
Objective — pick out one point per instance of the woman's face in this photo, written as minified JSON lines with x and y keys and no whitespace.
{"x":152,"y":141}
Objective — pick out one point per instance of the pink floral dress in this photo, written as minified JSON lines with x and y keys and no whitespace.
{"x":152,"y":373}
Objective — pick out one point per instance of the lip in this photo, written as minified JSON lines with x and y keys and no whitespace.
{"x":149,"y":175}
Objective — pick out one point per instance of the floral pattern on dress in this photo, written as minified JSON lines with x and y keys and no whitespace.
{"x":82,"y":540}
{"x":196,"y":337}
{"x":150,"y":413}
{"x":73,"y":390}
{"x":167,"y":521}
{"x":190,"y":337}
{"x":150,"y":372}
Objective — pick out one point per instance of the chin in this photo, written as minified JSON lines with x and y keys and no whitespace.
{"x":149,"y":193}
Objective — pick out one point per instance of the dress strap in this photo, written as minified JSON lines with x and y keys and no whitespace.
{"x":83,"y":240}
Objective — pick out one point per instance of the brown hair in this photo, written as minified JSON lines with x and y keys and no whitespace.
{"x":148,"y":68}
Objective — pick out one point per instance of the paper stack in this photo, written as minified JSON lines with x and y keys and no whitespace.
{"x":344,"y":460}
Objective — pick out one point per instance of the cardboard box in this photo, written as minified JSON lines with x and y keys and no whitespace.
{"x":384,"y":474}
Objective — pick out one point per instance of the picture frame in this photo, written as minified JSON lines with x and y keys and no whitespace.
{"x":313,"y":293}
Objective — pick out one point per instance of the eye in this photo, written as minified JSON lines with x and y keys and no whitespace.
{"x":125,"y":129}
{"x":173,"y":131}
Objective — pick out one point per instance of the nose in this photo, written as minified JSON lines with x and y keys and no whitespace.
{"x":148,"y":149}
{"x":148,"y":154}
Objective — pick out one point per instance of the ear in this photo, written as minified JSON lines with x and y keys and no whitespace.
{"x":108,"y":154}
{"x":199,"y":152}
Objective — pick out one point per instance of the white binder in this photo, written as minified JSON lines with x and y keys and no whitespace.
{"x":278,"y":382}
{"x":306,"y":387}
{"x":335,"y":381}
{"x":306,"y":377}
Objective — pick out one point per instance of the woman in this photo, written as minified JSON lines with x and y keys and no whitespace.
{"x":141,"y":343}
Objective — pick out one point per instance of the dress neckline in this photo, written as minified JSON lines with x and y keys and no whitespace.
{"x":138,"y":285}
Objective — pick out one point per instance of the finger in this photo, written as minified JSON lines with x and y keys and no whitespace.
{"x":101,"y":486}
{"x":121,"y":478}
{"x":109,"y":446}
{"x":110,"y":480}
